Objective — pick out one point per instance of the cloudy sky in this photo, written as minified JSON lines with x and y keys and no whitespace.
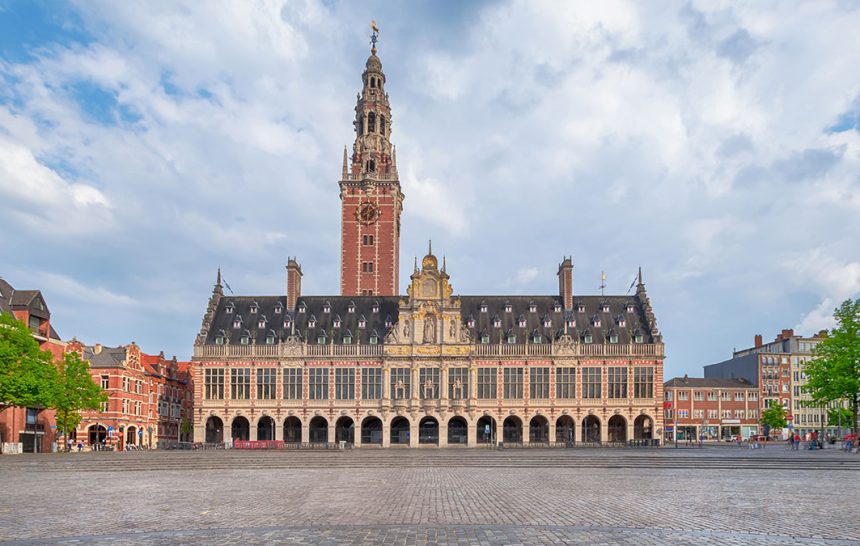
{"x":716,"y":145}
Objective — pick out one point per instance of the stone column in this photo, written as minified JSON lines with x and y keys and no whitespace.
{"x":356,"y":441}
{"x":413,"y":434}
{"x":577,"y":430}
{"x":252,"y":432}
{"x":279,"y":431}
{"x":306,"y":433}
{"x":332,"y":429}
{"x":551,"y":436}
{"x":443,"y":432}
{"x":386,"y":434}
{"x":525,"y":439}
{"x":471,"y":434}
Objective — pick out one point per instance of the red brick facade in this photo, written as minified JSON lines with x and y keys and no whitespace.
{"x":710,"y":409}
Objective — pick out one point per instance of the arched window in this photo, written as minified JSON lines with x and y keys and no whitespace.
{"x":371,"y":123}
{"x":360,"y":128}
{"x":381,"y":125}
{"x":373,"y":83}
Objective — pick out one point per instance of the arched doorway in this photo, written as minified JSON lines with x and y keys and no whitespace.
{"x":266,"y":428}
{"x":131,"y":436}
{"x":371,"y":431}
{"x":97,"y":435}
{"x":214,"y":430}
{"x":400,"y":430}
{"x":458,"y":431}
{"x":428,"y":431}
{"x":344,"y":430}
{"x":318,"y":430}
{"x":643,"y":428}
{"x":240,"y":429}
{"x":293,"y":430}
{"x":538,"y":430}
{"x":512,"y":430}
{"x":591,"y":429}
{"x":485,"y":430}
{"x":564,"y":430}
{"x":617,"y":429}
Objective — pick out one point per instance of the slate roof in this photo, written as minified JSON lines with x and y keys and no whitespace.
{"x":545,"y":315}
{"x":233,"y":311}
{"x":108,"y":357}
{"x":315,"y":316}
{"x":708,"y":383}
{"x":11,"y":299}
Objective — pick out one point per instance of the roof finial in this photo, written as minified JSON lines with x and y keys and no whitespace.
{"x":218,"y":280}
{"x":344,"y":161}
{"x":640,"y":274}
{"x":602,"y":281}
{"x":444,"y":264}
{"x":429,"y":247}
{"x":416,"y":264}
{"x":374,"y":37}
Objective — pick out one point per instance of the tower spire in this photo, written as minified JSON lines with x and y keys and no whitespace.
{"x":374,"y":37}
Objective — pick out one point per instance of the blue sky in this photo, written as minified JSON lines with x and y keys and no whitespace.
{"x":716,"y":145}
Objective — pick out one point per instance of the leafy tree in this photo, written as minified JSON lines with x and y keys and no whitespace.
{"x":839,"y":417}
{"x":834,"y":372}
{"x":28,"y":377}
{"x":76,"y":391}
{"x":774,"y":417}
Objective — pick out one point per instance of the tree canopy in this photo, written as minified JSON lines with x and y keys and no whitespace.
{"x":28,"y":376}
{"x":774,"y":417}
{"x":76,"y":390}
{"x":834,"y":372}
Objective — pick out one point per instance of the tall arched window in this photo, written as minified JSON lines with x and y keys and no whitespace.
{"x":360,"y":128}
{"x":381,"y":125}
{"x":371,"y":122}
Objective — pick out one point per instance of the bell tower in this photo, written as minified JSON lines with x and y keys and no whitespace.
{"x":370,"y":194}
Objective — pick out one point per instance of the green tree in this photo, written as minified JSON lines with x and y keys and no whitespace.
{"x":839,"y":417}
{"x":28,"y":377}
{"x":774,"y":417}
{"x":834,"y":372}
{"x":76,"y":391}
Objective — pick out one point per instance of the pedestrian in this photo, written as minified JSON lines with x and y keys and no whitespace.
{"x":790,"y":441}
{"x":796,"y":441}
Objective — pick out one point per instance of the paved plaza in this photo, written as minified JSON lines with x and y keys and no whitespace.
{"x":716,"y":495}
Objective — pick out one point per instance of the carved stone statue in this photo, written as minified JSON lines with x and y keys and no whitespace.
{"x":453,"y":331}
{"x":458,"y":389}
{"x":464,"y":335}
{"x":429,"y":389}
{"x":406,"y":329}
{"x":429,"y":329}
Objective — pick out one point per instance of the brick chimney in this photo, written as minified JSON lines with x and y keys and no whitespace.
{"x":294,"y":282}
{"x":758,"y":341}
{"x":565,"y":283}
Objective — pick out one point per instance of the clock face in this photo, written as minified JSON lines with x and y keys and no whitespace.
{"x":367,"y":213}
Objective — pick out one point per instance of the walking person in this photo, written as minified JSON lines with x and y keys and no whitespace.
{"x":796,"y":441}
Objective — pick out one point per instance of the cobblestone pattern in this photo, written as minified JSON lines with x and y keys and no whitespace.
{"x":498,"y":505}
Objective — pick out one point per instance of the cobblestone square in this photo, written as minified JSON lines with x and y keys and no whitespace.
{"x":716,"y":495}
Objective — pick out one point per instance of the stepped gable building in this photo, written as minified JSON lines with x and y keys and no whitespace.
{"x":375,"y":367}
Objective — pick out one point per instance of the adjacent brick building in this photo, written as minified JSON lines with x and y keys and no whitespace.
{"x":374,"y":367}
{"x":712,"y":409}
{"x":29,"y":429}
{"x":149,"y":397}
{"x":777,"y":368}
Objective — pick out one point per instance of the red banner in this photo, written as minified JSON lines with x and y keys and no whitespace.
{"x":258,"y":444}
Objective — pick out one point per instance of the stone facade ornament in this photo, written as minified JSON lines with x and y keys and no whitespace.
{"x":429,"y":329}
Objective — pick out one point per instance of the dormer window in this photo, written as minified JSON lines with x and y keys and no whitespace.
{"x":362,"y":322}
{"x":536,"y":337}
{"x":351,"y":307}
{"x":571,"y":323}
{"x":512,"y":338}
{"x":374,"y":338}
{"x":638,"y":337}
{"x":580,"y":308}
{"x":485,"y":338}
{"x":321,"y":338}
{"x":497,"y":322}
{"x":556,"y":308}
{"x":630,"y":308}
{"x":302,"y":307}
{"x":613,"y":337}
{"x":219,"y":339}
{"x":595,"y":321}
{"x":237,"y":323}
{"x":270,"y":338}
{"x":532,"y":307}
{"x":388,"y":322}
{"x":261,"y":323}
{"x":278,"y":308}
{"x":347,"y":338}
{"x":312,"y":322}
{"x":604,"y":307}
{"x":470,"y":322}
{"x":483,"y":307}
{"x":622,"y":322}
{"x":326,"y":307}
{"x":245,"y":339}
{"x":254,"y":308}
{"x":375,"y":308}
{"x":522,"y":322}
{"x":287,"y":324}
{"x":229,"y":308}
{"x":586,"y":337}
{"x":547,"y":322}
{"x":508,"y":307}
{"x":336,"y":322}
